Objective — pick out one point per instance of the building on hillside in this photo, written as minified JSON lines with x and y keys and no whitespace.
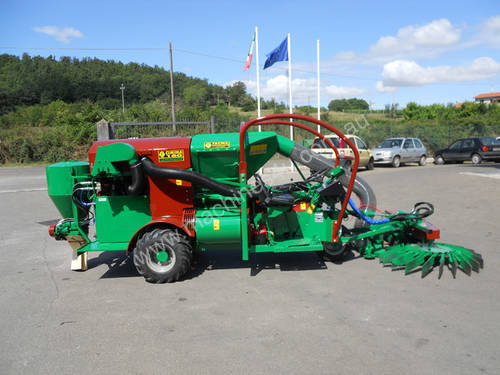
{"x":492,"y":97}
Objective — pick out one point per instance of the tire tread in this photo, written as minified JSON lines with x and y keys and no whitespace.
{"x":183,"y":253}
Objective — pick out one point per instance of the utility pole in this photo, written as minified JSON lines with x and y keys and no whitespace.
{"x":172,"y":87}
{"x":123,"y":98}
{"x":318,"y":84}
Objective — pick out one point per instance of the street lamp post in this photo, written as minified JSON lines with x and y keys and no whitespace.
{"x":122,"y":87}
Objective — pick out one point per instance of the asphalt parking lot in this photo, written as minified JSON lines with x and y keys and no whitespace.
{"x":288,"y":313}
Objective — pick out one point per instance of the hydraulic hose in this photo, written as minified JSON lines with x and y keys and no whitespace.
{"x":138,"y":180}
{"x":369,"y":220}
{"x":153,"y":170}
{"x":365,"y":194}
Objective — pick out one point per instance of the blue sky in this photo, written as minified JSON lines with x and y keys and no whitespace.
{"x":426,"y":51}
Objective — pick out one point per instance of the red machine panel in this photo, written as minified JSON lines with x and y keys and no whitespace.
{"x":168,"y":198}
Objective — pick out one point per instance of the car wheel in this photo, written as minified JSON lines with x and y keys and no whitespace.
{"x":476,"y":159}
{"x":370,"y":165}
{"x":423,"y":160}
{"x":439,"y":160}
{"x":396,"y":162}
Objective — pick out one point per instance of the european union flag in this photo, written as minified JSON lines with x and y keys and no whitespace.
{"x":278,"y":54}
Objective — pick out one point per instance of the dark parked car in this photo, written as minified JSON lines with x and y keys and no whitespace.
{"x":473,"y":149}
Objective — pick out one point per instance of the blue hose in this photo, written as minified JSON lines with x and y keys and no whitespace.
{"x":81,"y":200}
{"x":366,"y":218}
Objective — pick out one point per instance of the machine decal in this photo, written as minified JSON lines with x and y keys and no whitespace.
{"x":216,"y":224}
{"x":171,"y":155}
{"x":219,"y":144}
{"x":258,"y":149}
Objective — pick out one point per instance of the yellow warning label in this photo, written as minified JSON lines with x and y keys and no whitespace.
{"x":303,"y":206}
{"x":219,"y":144}
{"x":178,"y":182}
{"x":311,"y":208}
{"x":171,"y":155}
{"x":258,"y":149}
{"x":216,"y":224}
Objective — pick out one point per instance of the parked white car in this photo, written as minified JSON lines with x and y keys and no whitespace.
{"x":394,"y":151}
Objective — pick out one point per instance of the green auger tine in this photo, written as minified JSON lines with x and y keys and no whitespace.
{"x":415,"y":262}
{"x":427,"y":267}
{"x":389,"y":256}
{"x":453,"y":262}
{"x":476,"y":261}
{"x":404,"y":258}
{"x":441,"y":264}
{"x":412,"y":255}
{"x":468,"y":257}
{"x":479,"y":259}
{"x":474,"y":264}
{"x":464,"y":265}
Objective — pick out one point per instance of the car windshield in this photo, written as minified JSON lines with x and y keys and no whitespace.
{"x":319,"y":143}
{"x":490,"y":141}
{"x":390,"y":143}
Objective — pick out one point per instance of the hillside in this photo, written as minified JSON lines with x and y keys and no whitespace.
{"x":49,"y":108}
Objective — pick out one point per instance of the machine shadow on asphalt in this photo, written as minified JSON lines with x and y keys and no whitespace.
{"x":120,"y":265}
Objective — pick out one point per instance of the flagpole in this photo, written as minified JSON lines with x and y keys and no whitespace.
{"x":319,"y":106}
{"x":257,"y":68}
{"x":290,"y":83}
{"x":290,"y":88}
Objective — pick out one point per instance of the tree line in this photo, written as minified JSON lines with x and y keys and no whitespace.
{"x":41,"y":80}
{"x":49,"y":107}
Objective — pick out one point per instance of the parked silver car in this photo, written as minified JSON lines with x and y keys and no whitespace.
{"x":394,"y":151}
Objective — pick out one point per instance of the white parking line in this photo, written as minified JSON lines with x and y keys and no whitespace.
{"x":490,"y":175}
{"x":22,"y":190}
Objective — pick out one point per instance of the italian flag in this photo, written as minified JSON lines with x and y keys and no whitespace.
{"x":250,"y":54}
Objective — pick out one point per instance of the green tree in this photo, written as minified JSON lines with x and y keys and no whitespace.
{"x":236,"y":93}
{"x":340,"y":105}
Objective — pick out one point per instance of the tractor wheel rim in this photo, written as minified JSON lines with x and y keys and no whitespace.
{"x":162,"y":256}
{"x":161,"y":261}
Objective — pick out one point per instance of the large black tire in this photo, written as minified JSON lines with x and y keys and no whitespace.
{"x":396,"y":162}
{"x":163,"y":255}
{"x":370,"y":165}
{"x":333,"y":254}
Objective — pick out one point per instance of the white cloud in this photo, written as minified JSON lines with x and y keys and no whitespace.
{"x":427,"y":41}
{"x":489,"y":31}
{"x":380,"y":87}
{"x":61,"y":35}
{"x":303,"y":90}
{"x":404,"y":73}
